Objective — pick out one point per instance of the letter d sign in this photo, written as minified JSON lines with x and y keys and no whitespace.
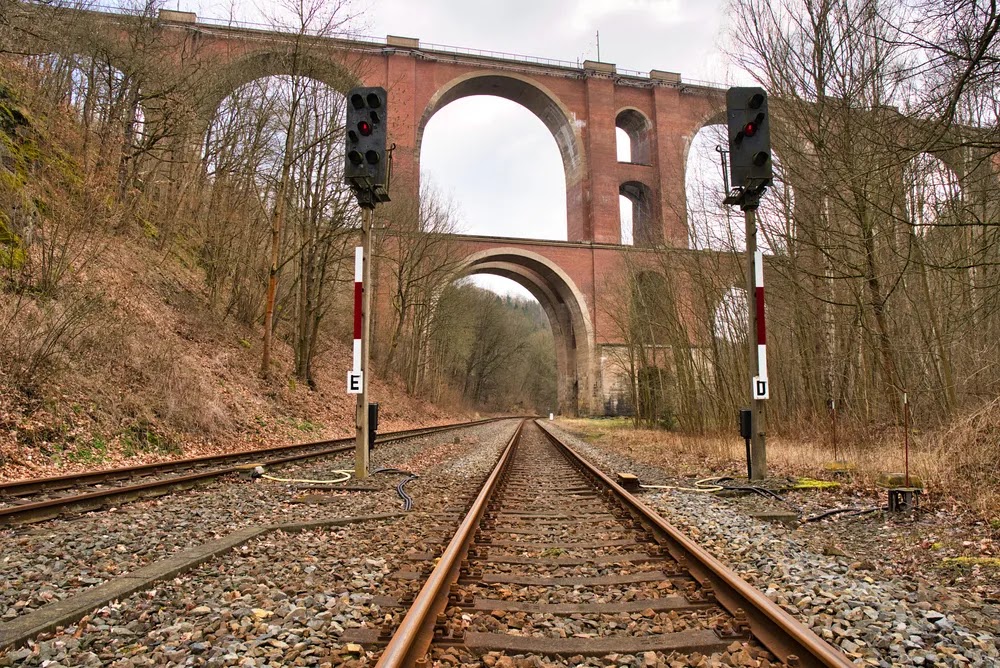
{"x":760,"y":388}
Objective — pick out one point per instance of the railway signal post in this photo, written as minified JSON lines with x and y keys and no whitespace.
{"x":751,"y":172}
{"x":366,"y":170}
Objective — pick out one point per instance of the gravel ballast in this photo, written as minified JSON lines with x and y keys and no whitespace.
{"x":883,"y":622}
{"x":53,"y":560}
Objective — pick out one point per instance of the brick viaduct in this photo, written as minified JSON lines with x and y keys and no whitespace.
{"x":581,"y":105}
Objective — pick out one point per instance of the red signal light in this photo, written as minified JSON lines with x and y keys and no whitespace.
{"x":750,"y":129}
{"x":365,"y":128}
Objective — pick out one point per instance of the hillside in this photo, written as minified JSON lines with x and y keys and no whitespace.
{"x":155,"y":373}
{"x":110,"y":348}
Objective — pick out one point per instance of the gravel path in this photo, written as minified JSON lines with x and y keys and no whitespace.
{"x":883,"y":622}
{"x":50,"y":561}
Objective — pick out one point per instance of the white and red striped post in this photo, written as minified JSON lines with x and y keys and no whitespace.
{"x":359,"y":291}
{"x":761,"y":388}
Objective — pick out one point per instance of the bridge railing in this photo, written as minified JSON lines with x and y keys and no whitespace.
{"x":267,"y":27}
{"x":381,"y":41}
{"x":502,"y":55}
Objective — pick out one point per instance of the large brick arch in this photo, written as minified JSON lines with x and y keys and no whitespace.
{"x":524,"y":91}
{"x":715,"y":115}
{"x":536,"y":98}
{"x":580,"y":103}
{"x":564,"y":305}
{"x":222,"y":81}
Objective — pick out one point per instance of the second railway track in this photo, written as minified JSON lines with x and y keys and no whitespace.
{"x":36,"y":500}
{"x":554,"y":560}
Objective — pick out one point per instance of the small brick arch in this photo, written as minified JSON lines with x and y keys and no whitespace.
{"x":647,"y":229}
{"x":639,"y":130}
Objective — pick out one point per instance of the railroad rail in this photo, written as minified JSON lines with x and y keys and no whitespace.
{"x":553,"y":558}
{"x":70,"y":498}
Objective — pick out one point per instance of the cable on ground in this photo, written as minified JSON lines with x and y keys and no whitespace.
{"x":851,"y":511}
{"x":407,"y":499}
{"x":703,"y":486}
{"x":344,"y":473}
{"x":718,"y":484}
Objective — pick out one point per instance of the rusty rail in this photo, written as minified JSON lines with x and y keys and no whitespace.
{"x":410,"y":641}
{"x":33,"y":485}
{"x":50,"y":508}
{"x":777,"y":630}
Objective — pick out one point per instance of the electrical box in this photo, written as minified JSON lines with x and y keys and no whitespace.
{"x":746,"y":423}
{"x":372,"y":425}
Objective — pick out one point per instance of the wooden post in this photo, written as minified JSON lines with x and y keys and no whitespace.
{"x":361,"y":419}
{"x":758,"y":450}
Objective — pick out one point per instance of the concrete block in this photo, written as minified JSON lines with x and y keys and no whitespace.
{"x":597,"y":66}
{"x":404,"y":42}
{"x":668,"y":77}
{"x":178,"y":17}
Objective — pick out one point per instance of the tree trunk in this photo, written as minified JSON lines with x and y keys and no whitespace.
{"x":277,"y":221}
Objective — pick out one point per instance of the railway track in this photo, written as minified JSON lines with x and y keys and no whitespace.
{"x":555,"y":560}
{"x":36,"y":500}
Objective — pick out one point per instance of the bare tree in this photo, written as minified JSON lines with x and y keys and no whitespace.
{"x":420,"y":258}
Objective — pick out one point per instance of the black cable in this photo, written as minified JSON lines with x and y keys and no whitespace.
{"x":764,"y":492}
{"x":756,"y":490}
{"x":828,"y":513}
{"x":873,"y":509}
{"x":407,"y":499}
{"x":853,"y":511}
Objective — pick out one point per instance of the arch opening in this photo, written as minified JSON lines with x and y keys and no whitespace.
{"x":933,"y":193}
{"x":265,"y":64}
{"x":627,"y":233}
{"x":250,"y":125}
{"x":623,"y":145}
{"x":634,"y":133}
{"x":274,"y":148}
{"x":104,"y":99}
{"x":565,"y":309}
{"x":507,"y":360}
{"x":645,"y":228}
{"x":711,"y":226}
{"x":554,"y":116}
{"x":500,"y":164}
{"x":652,"y":332}
{"x":714,"y":226}
{"x":729,"y":321}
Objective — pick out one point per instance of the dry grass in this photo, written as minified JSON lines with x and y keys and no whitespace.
{"x":158,"y":374}
{"x":967,"y":456}
{"x":960,"y":462}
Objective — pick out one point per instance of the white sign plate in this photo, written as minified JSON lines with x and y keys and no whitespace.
{"x":761,"y":389}
{"x":355,"y":381}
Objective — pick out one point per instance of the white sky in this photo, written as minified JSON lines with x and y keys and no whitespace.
{"x":474,"y":149}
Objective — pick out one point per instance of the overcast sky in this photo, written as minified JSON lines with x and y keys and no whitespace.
{"x":474,"y":150}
